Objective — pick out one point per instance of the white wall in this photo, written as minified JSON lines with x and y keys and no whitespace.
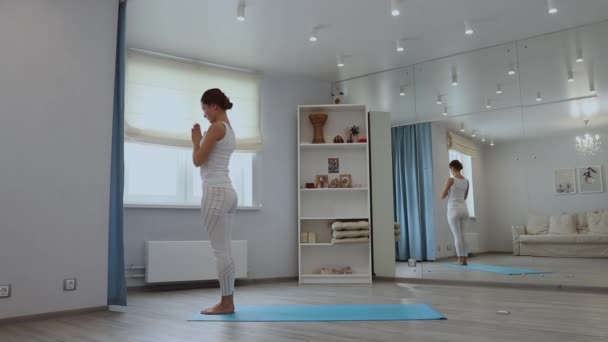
{"x":441,"y":172}
{"x":272,"y":231}
{"x":522,"y":174}
{"x":56,"y":91}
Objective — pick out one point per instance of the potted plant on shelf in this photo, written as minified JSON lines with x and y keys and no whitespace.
{"x":353,"y":134}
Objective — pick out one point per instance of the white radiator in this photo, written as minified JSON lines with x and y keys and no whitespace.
{"x":175,"y":261}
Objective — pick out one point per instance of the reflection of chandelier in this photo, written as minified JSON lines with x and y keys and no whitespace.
{"x":588,"y":144}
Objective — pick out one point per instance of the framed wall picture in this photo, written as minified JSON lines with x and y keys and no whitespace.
{"x":590,"y":179}
{"x":333,"y":165}
{"x":346,"y":181}
{"x":564,"y":181}
{"x":322,"y":181}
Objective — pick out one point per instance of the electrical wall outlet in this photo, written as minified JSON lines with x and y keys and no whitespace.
{"x":69,"y":284}
{"x":449,"y":247}
{"x":5,"y":291}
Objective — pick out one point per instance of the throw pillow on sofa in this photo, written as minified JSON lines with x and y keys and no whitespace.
{"x":581,"y":223}
{"x":537,"y":225}
{"x":562,"y":224}
{"x":598,"y":221}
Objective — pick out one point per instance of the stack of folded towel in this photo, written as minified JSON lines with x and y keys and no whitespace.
{"x":350,"y":232}
{"x":397,"y":231}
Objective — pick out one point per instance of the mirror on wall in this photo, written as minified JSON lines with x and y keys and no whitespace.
{"x":527,"y":120}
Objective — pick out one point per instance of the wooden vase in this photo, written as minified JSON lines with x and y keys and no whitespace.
{"x":318,"y":120}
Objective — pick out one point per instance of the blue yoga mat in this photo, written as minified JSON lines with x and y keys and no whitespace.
{"x":496,"y":269}
{"x":326,"y":313}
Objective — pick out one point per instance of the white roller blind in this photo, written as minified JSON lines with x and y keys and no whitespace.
{"x":461,"y":144}
{"x":162,"y":100}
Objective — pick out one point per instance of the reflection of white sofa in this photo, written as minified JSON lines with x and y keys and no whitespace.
{"x":583,"y":235}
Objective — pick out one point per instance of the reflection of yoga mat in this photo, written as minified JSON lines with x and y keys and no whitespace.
{"x":496,"y":269}
{"x":325,"y":313}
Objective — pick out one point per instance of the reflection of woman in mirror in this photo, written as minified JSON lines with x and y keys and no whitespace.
{"x":457,"y":190}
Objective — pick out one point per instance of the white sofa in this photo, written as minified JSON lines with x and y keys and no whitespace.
{"x":581,"y":235}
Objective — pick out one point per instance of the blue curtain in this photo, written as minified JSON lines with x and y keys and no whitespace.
{"x":117,"y":288}
{"x":413,"y":191}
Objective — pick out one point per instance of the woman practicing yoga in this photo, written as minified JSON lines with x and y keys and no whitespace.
{"x":211,"y":152}
{"x":457,"y":191}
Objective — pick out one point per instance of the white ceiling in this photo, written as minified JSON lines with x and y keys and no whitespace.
{"x":274,"y":37}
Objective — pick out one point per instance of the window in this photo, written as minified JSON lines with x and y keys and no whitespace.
{"x":467,"y":172}
{"x":164,"y":176}
{"x":162,"y":103}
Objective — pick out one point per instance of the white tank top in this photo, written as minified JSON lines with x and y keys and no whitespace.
{"x":215,"y":171}
{"x":457,"y":192}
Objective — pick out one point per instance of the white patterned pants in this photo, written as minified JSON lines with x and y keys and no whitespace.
{"x":218,"y":207}
{"x":457,"y":219}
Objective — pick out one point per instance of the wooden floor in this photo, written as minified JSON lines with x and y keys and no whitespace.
{"x":472,"y":316}
{"x":565,"y":272}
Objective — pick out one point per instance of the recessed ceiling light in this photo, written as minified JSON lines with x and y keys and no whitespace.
{"x":240,"y":15}
{"x":538,"y":96}
{"x":400,"y":46}
{"x":551,"y":8}
{"x":488,"y":104}
{"x":511,"y":70}
{"x":579,"y":55}
{"x":468,"y":29}
{"x":492,"y":143}
{"x":462,"y":127}
{"x":473,"y":134}
{"x":395,"y":8}
{"x":498,"y":89}
{"x":340,"y":61}
{"x":570,"y":76}
{"x":483,"y":139}
{"x":454,"y":77}
{"x":445,"y":111}
{"x":439,"y":99}
{"x":402,"y":90}
{"x":313,"y":35}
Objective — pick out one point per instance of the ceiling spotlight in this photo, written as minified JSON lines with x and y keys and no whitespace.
{"x":313,"y":35}
{"x":340,"y":61}
{"x":483,"y":139}
{"x":462,"y":127}
{"x":445,"y":111}
{"x":511,"y":70}
{"x":570,"y":76}
{"x":579,"y":55}
{"x":454,"y":77}
{"x":468,"y":30}
{"x":395,"y":8}
{"x":551,"y":8}
{"x":402,"y":90}
{"x":473,"y":134}
{"x":499,"y":89}
{"x":592,"y":86}
{"x":488,"y":104}
{"x":240,"y":15}
{"x":538,"y":96}
{"x":492,"y":143}
{"x":400,"y":46}
{"x":439,"y":99}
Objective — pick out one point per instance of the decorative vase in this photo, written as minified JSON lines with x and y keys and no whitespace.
{"x":318,"y":120}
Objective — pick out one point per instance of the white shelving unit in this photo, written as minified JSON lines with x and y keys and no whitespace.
{"x":318,"y":208}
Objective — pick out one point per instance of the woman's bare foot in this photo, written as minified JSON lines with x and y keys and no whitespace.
{"x":459,"y":262}
{"x":219,"y":309}
{"x":464,"y":261}
{"x":225,"y":306}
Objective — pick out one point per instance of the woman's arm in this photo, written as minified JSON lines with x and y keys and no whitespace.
{"x":448,"y":184}
{"x":201,"y":152}
{"x":466,"y":193}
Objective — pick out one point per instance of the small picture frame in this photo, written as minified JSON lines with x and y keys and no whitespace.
{"x":564,"y":181}
{"x":346,"y":181}
{"x":335,"y":183}
{"x":590,"y":179}
{"x":333,"y":165}
{"x":322,"y":181}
